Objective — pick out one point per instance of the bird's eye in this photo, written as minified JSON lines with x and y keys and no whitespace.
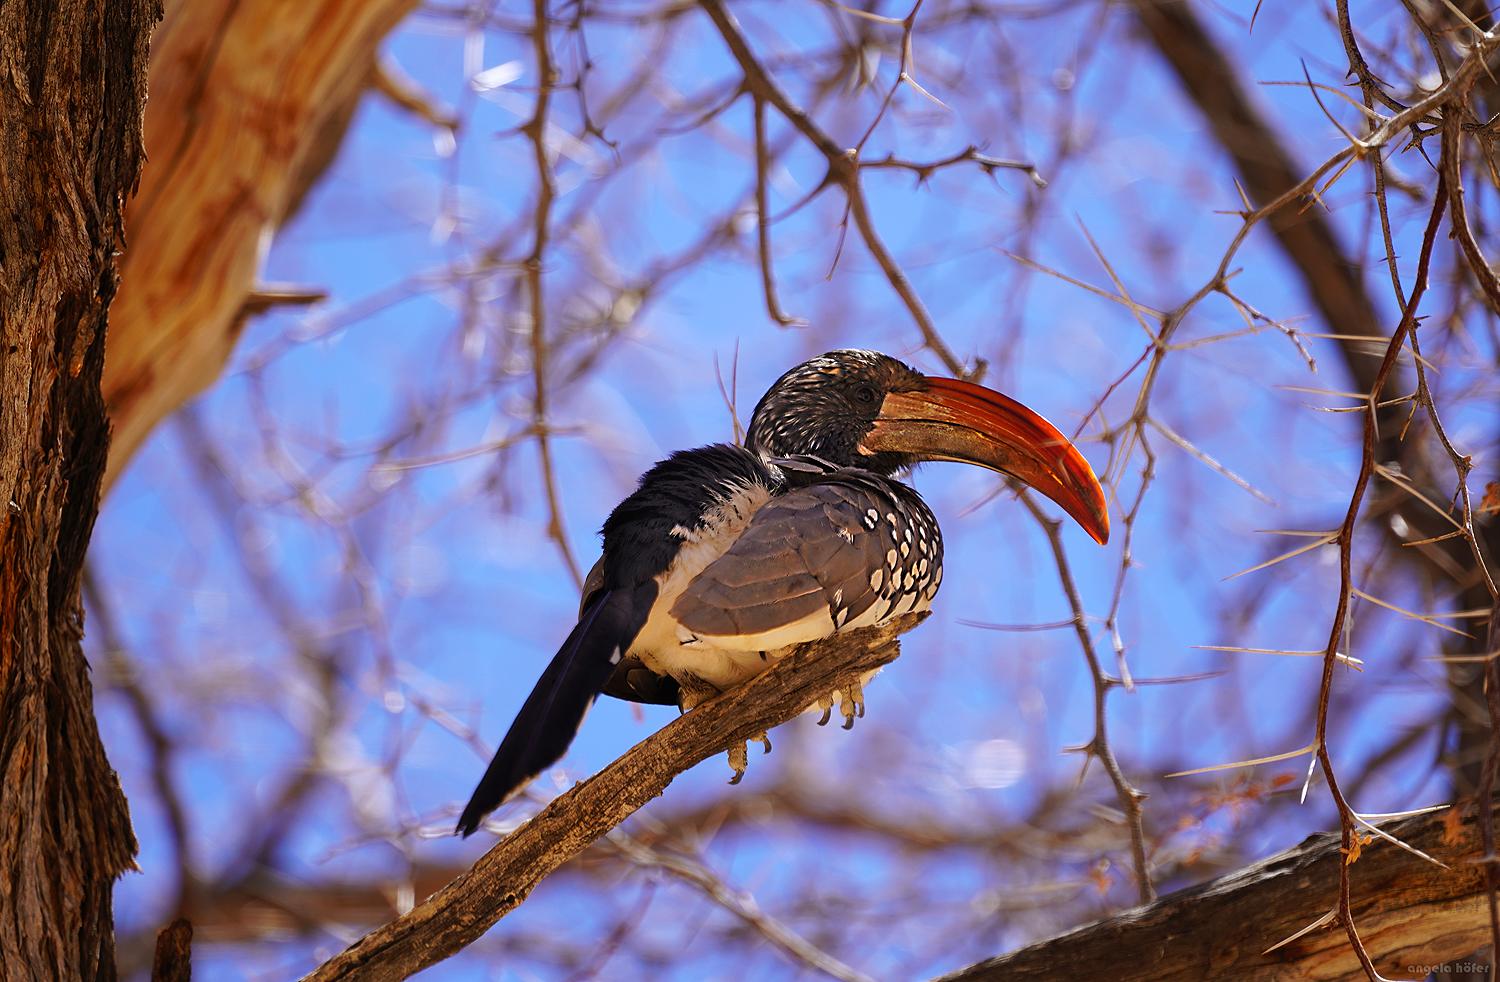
{"x":865,"y":394}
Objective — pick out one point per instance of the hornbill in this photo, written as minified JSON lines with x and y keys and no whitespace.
{"x":727,"y":557}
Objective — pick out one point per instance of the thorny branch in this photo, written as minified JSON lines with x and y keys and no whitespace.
{"x":1452,"y":89}
{"x":1350,"y":828}
{"x":843,"y":170}
{"x":988,"y":164}
{"x":1130,"y":798}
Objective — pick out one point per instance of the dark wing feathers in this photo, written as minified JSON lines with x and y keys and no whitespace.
{"x":836,"y":543}
{"x":617,"y":597}
{"x":551,"y":715}
{"x":812,"y":549}
{"x":634,"y":682}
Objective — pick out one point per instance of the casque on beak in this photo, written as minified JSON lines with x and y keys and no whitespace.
{"x":953,"y":420}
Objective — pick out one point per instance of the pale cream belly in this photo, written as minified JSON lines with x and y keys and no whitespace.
{"x":658,"y":648}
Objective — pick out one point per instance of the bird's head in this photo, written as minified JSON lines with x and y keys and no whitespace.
{"x":868,"y":410}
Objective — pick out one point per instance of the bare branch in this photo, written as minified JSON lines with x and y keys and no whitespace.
{"x":843,"y":169}
{"x":1130,"y":798}
{"x":501,"y":880}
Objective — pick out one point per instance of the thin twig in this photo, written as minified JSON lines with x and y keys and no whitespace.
{"x":739,"y":903}
{"x":843,"y":169}
{"x":1130,"y":798}
{"x":988,"y":164}
{"x":536,"y":129}
{"x":763,"y":223}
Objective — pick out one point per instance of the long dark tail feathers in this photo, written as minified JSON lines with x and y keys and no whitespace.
{"x":552,"y":714}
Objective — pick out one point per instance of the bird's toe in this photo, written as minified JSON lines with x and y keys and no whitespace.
{"x":739,"y":759}
{"x":852,"y":703}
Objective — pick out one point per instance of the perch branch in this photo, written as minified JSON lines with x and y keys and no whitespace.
{"x":501,"y":880}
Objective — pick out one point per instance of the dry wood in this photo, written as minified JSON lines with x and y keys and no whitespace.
{"x":174,"y":950}
{"x":70,"y":151}
{"x":501,"y":880}
{"x":249,"y":101}
{"x":1411,"y":913}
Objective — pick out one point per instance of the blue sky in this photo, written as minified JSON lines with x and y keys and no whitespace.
{"x":436,"y":585}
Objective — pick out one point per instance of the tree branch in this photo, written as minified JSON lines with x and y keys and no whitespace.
{"x":1332,"y":279}
{"x":227,"y":162}
{"x":501,"y":880}
{"x":843,"y":170}
{"x":1411,"y":912}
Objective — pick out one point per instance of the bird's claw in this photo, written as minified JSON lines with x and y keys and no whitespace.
{"x":739,"y":755}
{"x":852,"y":703}
{"x":826,"y":704}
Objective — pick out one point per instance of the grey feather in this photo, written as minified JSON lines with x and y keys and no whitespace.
{"x":808,"y":550}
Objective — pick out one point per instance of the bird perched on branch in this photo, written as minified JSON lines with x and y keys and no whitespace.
{"x":726,"y":558}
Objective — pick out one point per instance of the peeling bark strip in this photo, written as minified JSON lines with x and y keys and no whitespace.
{"x":72,"y":88}
{"x":249,"y":102}
{"x":1411,"y":913}
{"x":504,"y":877}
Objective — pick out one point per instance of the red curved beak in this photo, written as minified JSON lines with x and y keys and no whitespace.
{"x":953,"y":420}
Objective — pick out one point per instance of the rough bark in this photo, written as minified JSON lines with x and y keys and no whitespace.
{"x":74,"y":84}
{"x":174,"y":949}
{"x":502,"y":879}
{"x":1410,"y":913}
{"x":249,"y":101}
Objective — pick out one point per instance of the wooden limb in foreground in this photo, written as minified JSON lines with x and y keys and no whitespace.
{"x":501,"y":880}
{"x":1410,"y":913}
{"x":249,"y":102}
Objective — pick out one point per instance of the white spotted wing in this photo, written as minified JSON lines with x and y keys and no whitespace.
{"x":849,"y":551}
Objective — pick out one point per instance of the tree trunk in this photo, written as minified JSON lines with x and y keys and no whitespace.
{"x":71,"y":101}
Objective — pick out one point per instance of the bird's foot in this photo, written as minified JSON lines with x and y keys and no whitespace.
{"x":739,"y":755}
{"x":852,"y":703}
{"x":693,"y":691}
